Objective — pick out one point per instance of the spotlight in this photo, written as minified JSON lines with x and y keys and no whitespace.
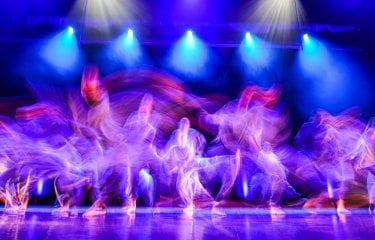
{"x":62,"y":51}
{"x":310,"y":45}
{"x":70,"y":30}
{"x":130,"y":33}
{"x":189,"y":36}
{"x":189,"y":55}
{"x":306,"y":37}
{"x":249,"y":38}
{"x":127,"y":49}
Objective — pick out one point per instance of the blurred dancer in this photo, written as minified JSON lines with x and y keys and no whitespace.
{"x":110,"y":183}
{"x":15,"y":181}
{"x":183,"y":149}
{"x":334,"y":160}
{"x":54,"y":156}
{"x":140,"y":131}
{"x":252,"y":124}
{"x":365,"y":155}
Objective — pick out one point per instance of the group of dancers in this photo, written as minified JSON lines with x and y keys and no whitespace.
{"x":141,"y":137}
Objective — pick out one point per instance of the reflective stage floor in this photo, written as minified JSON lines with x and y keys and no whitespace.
{"x":171,"y":223}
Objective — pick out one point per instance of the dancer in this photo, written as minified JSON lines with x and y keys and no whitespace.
{"x":140,"y":131}
{"x":257,"y":125}
{"x":183,"y":149}
{"x":339,"y":136}
{"x":364,"y":154}
{"x":110,"y":169}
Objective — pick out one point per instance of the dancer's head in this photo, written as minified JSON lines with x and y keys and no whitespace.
{"x":184,"y":124}
{"x":91,"y":90}
{"x":183,"y":127}
{"x":145,"y":107}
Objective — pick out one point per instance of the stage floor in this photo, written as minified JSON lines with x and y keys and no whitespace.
{"x":171,"y":223}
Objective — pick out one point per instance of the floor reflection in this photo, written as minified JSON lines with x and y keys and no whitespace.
{"x":237,"y":224}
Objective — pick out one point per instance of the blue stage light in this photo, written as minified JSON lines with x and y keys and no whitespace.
{"x":70,"y":30}
{"x":189,"y":37}
{"x":254,"y":52}
{"x":127,"y":49}
{"x":62,"y":50}
{"x":249,"y":38}
{"x":189,"y":55}
{"x":310,"y":45}
{"x":325,"y":80}
{"x":306,"y":37}
{"x":130,"y":34}
{"x":256,"y":57}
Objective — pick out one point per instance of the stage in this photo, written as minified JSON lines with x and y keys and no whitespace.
{"x":171,"y":223}
{"x":246,"y":119}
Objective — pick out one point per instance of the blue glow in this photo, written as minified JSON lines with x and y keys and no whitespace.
{"x":189,"y":55}
{"x":62,"y":51}
{"x":70,"y":30}
{"x":249,"y":39}
{"x":330,"y":189}
{"x":40,"y":186}
{"x":252,"y":52}
{"x":256,"y":57}
{"x":127,"y":49}
{"x":189,"y":37}
{"x":306,"y":37}
{"x":325,"y":80}
{"x":245,"y":188}
{"x":130,"y":34}
{"x":310,"y":45}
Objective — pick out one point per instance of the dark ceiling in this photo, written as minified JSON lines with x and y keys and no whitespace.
{"x":323,"y":11}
